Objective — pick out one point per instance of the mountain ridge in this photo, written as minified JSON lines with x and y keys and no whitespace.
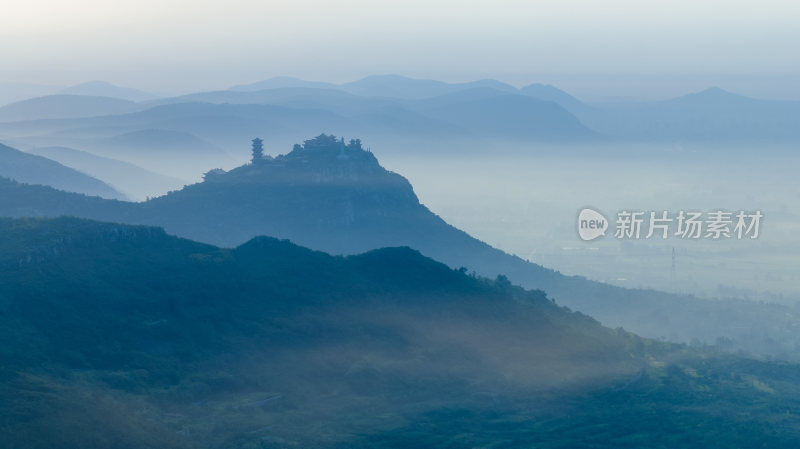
{"x":34,"y":169}
{"x":105,"y":89}
{"x":335,"y":197}
{"x":137,"y":183}
{"x":60,"y":106}
{"x":134,"y":338}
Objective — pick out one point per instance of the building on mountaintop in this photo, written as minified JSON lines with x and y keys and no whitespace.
{"x":258,"y":150}
{"x":213,"y":173}
{"x":342,"y":155}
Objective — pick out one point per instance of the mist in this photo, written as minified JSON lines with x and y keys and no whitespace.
{"x":260,"y":225}
{"x":527,"y":205}
{"x":636,"y":51}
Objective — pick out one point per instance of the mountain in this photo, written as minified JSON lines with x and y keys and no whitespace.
{"x":710,"y":98}
{"x":155,"y":149}
{"x":281,"y":82}
{"x":468,"y":116}
{"x":713,"y":115}
{"x":153,"y":139}
{"x":104,"y":89}
{"x":472,"y":114}
{"x":35,"y":200}
{"x":389,"y":86}
{"x":333,"y":100}
{"x":335,"y":197}
{"x":13,"y":92}
{"x":156,"y":140}
{"x":398,"y":111}
{"x":547,"y":92}
{"x":64,"y":106}
{"x":136,"y":182}
{"x":396,"y":86}
{"x":506,"y":117}
{"x":119,"y":336}
{"x":159,"y":127}
{"x":31,"y":169}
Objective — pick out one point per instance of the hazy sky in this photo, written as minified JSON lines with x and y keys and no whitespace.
{"x":610,"y":46}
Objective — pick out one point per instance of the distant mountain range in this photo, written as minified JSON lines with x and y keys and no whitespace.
{"x":547,"y":92}
{"x":64,"y":106}
{"x":14,"y":92}
{"x":335,"y":197}
{"x":468,"y":116}
{"x":389,"y":86}
{"x":123,"y":336}
{"x":135,"y":182}
{"x":281,"y":82}
{"x":31,"y":169}
{"x":153,"y":139}
{"x":104,"y":89}
{"x":159,"y":146}
{"x":712,"y":116}
{"x":395,"y":111}
{"x":311,"y":300}
{"x":494,"y":115}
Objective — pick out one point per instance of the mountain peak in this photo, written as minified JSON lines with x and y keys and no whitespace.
{"x":548,"y":92}
{"x":94,"y":83}
{"x":105,"y":89}
{"x":715,"y":92}
{"x":327,"y":149}
{"x":320,"y":160}
{"x":280,"y":82}
{"x":712,"y":94}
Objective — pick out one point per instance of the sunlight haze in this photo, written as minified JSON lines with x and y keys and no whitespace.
{"x":159,"y":44}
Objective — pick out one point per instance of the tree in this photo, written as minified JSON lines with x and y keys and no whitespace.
{"x":502,"y":282}
{"x":258,"y":149}
{"x":212,"y":173}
